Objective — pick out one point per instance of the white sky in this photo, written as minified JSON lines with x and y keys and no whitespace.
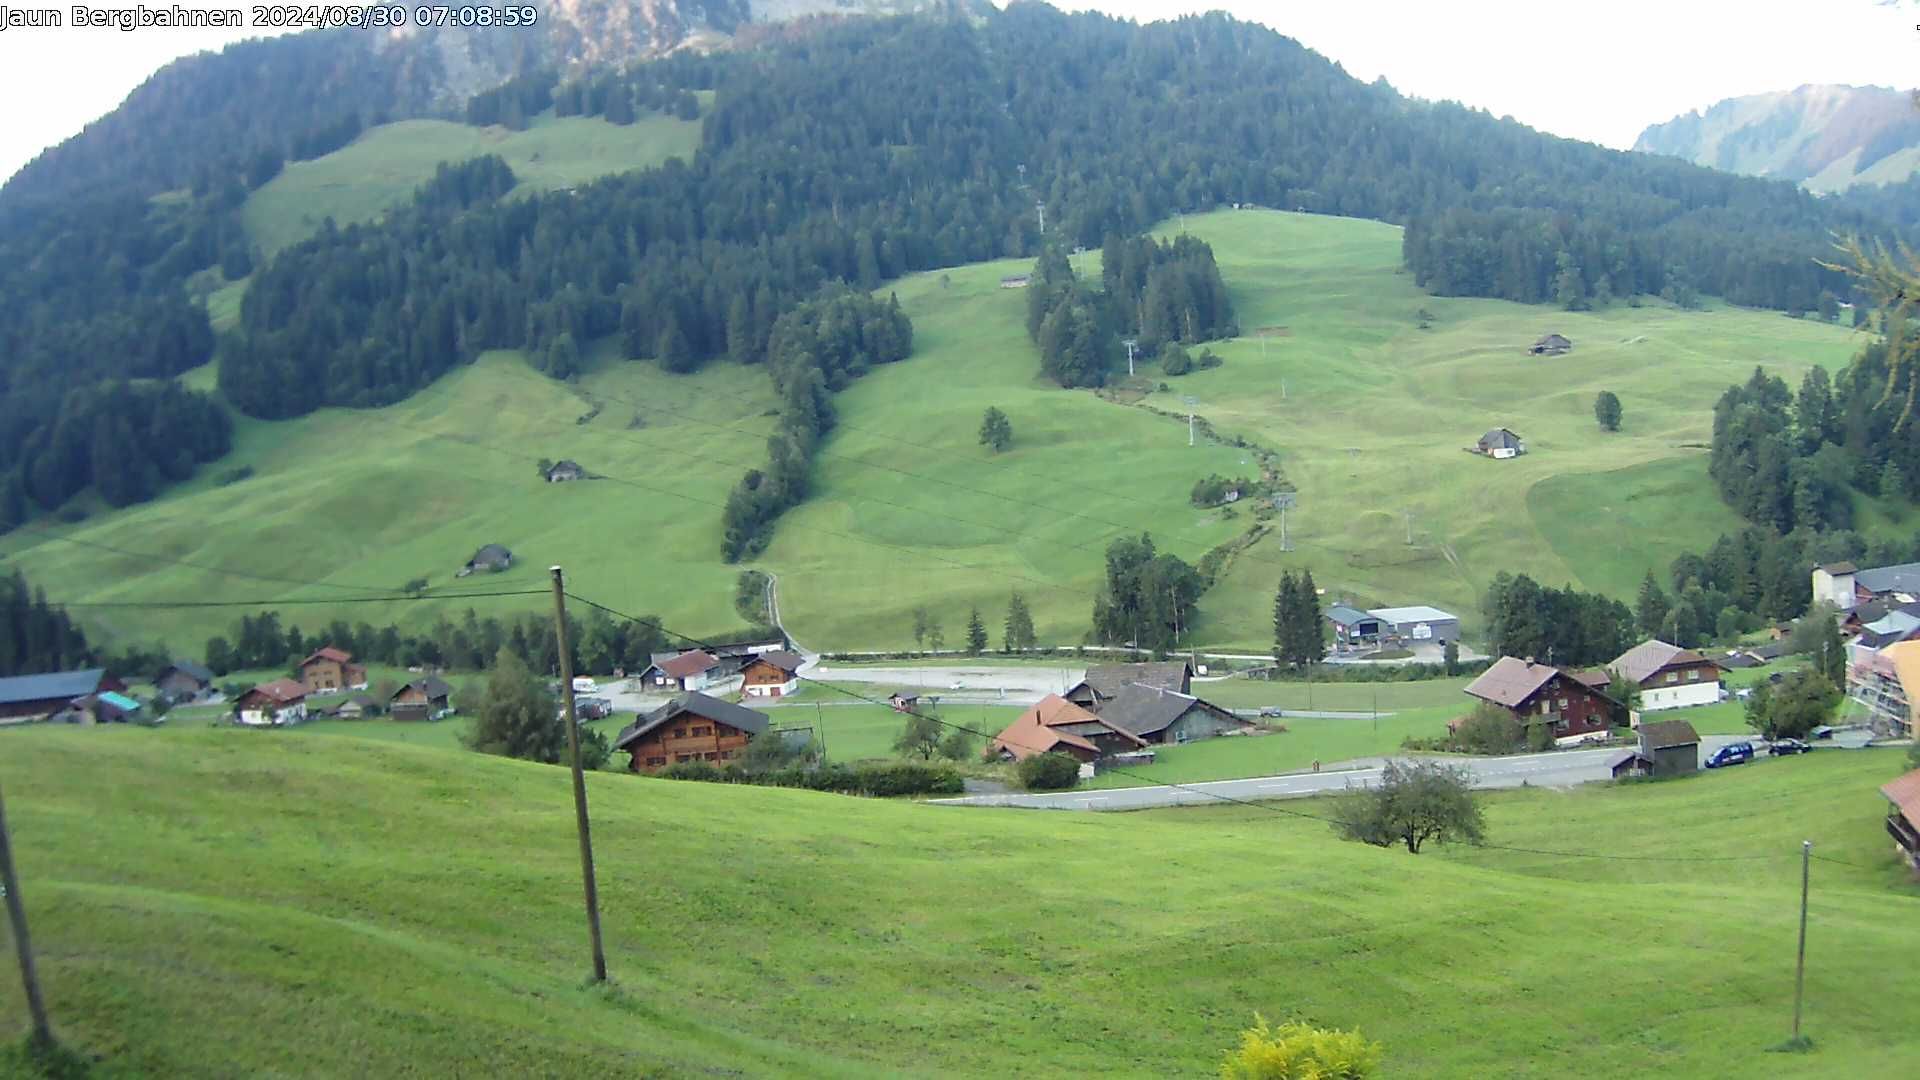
{"x":1599,"y":71}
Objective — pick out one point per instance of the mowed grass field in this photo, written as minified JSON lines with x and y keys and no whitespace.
{"x":382,"y":168}
{"x":361,"y":501}
{"x":907,"y":510}
{"x":1372,"y":414}
{"x":258,"y":903}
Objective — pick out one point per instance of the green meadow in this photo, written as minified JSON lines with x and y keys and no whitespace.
{"x":381,"y":169}
{"x":907,"y":510}
{"x":263,"y":903}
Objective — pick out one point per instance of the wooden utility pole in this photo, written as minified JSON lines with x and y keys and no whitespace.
{"x":22,"y":944}
{"x":1800,"y":963}
{"x":579,"y":777}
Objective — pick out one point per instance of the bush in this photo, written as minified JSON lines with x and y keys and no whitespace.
{"x":1297,"y":1051}
{"x":1490,"y":729}
{"x":692,"y":770}
{"x":1539,"y":737}
{"x":1175,"y":361}
{"x":232,"y":476}
{"x":1207,"y":360}
{"x":1048,"y":772}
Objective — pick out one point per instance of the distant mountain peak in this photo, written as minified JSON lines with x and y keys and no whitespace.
{"x":1824,"y":136}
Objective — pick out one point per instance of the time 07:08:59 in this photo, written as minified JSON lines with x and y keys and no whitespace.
{"x":381,"y":16}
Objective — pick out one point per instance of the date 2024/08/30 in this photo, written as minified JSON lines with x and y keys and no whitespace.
{"x":271,"y":17}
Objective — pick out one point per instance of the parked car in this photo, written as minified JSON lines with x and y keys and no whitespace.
{"x":1822,"y":732}
{"x":584,"y":684}
{"x":1787,"y":746}
{"x":1731,"y":754}
{"x":1273,"y":710}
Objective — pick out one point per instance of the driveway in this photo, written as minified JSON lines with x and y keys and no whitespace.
{"x":1563,"y":768}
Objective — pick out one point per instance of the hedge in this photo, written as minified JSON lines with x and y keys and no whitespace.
{"x":880,"y":780}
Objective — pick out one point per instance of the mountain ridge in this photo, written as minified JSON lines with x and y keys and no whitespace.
{"x":1825,"y":137}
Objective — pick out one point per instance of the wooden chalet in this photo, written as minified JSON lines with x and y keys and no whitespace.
{"x":1903,"y":817}
{"x":771,"y":674}
{"x":329,"y":670}
{"x":1669,"y":676}
{"x":272,"y":704}
{"x":1538,"y":693}
{"x":685,"y":672}
{"x":1551,"y":345}
{"x":183,"y":680}
{"x":422,"y":699}
{"x":1500,"y":443}
{"x":691,"y":727}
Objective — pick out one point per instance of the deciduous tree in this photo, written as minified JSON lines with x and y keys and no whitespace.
{"x":1413,"y":804}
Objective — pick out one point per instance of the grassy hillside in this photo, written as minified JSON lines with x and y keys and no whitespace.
{"x":382,"y":168}
{"x":1372,"y":414}
{"x":353,"y":499}
{"x":228,"y":902}
{"x":1368,"y":411}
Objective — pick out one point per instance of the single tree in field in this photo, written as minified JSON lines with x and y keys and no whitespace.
{"x":957,"y":745}
{"x":1019,"y":627}
{"x":519,"y":718}
{"x":936,"y":637}
{"x":920,"y":625}
{"x":1830,"y":656}
{"x":996,"y":431}
{"x":1450,"y":657}
{"x":1299,"y":635}
{"x":976,"y":632}
{"x":1606,"y":409}
{"x":920,"y":737}
{"x":1413,"y":804}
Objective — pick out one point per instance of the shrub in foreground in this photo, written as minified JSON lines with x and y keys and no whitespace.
{"x":1297,"y":1051}
{"x":1048,"y":772}
{"x":881,"y":779}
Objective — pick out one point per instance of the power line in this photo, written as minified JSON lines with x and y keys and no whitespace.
{"x":1269,"y":807}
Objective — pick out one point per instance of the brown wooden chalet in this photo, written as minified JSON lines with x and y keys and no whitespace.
{"x":1903,"y":818}
{"x":1669,"y":676}
{"x":1104,"y":682}
{"x":771,"y":674}
{"x":329,"y":670}
{"x":421,"y":699}
{"x":1538,"y":693}
{"x":691,"y":727}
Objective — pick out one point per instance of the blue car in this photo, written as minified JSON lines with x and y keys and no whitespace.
{"x":1731,"y":754}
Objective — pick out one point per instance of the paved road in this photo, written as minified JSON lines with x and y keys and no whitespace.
{"x":1562,"y":768}
{"x":977,"y":683}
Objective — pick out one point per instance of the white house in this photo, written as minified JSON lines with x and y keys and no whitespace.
{"x":273,"y":704}
{"x":1669,"y":676}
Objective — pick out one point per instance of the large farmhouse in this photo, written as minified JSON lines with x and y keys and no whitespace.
{"x":36,"y":697}
{"x":771,"y":674}
{"x":1538,"y":693}
{"x":1669,"y":676}
{"x":329,"y":670}
{"x":691,"y":727}
{"x":272,"y":704}
{"x":1056,"y":725}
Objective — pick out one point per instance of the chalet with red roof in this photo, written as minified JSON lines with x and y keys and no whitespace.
{"x":272,"y":704}
{"x":329,"y":670}
{"x":1903,"y":818}
{"x":1056,"y":725}
{"x":685,"y":672}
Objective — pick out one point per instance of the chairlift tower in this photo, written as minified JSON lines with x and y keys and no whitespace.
{"x":1282,"y":502}
{"x":1130,"y":343}
{"x":1191,"y":402}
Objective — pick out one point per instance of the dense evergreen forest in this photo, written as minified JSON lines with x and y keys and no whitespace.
{"x":33,"y":636}
{"x":850,"y":150}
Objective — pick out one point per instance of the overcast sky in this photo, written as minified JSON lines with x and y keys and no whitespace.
{"x":1598,"y":71}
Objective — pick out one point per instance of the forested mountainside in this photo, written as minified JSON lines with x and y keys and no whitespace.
{"x":844,"y":149}
{"x":1829,"y":138}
